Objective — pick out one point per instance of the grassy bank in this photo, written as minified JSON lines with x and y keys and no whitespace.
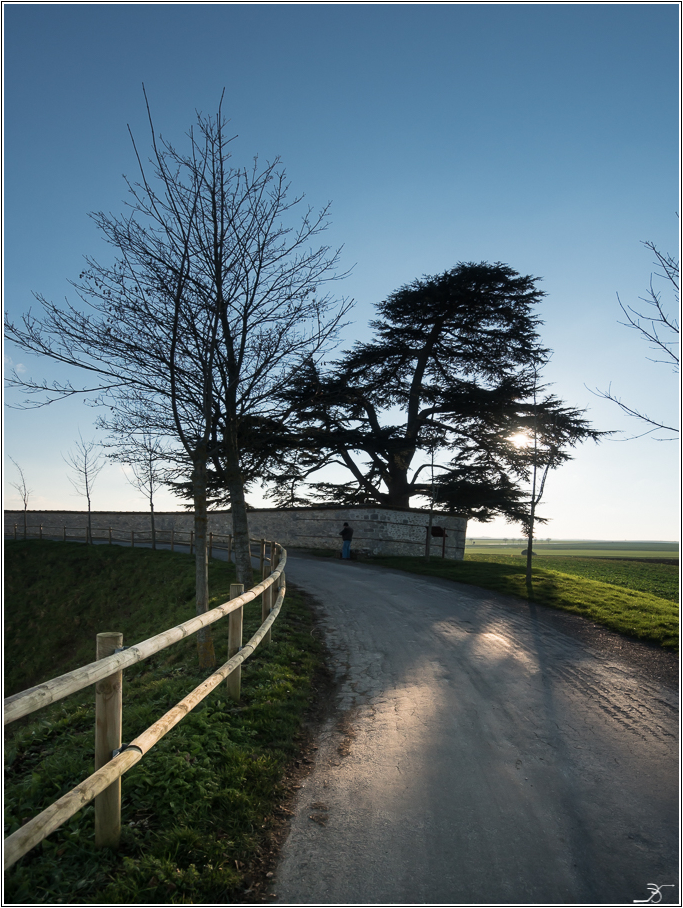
{"x":634,"y":598}
{"x":201,"y":809}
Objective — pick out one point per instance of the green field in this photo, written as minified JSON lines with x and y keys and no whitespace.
{"x":582,"y":548}
{"x":199,"y":811}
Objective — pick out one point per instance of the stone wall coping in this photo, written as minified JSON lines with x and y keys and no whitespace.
{"x":322,"y":507}
{"x":313,"y":512}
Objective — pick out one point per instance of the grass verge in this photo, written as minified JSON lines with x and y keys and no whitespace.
{"x":617,"y":595}
{"x":201,"y":811}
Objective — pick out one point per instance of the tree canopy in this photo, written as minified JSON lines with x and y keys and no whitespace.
{"x":452,"y":369}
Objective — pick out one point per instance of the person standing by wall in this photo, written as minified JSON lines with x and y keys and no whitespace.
{"x":346,"y":535}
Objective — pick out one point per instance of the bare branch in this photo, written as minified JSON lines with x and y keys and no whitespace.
{"x":87,"y":464}
{"x":643,"y":417}
{"x":661,"y":331}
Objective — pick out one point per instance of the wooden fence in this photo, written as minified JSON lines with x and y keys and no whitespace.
{"x":113,"y":535}
{"x":112,"y":759}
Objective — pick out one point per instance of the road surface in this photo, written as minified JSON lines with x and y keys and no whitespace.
{"x":480,"y":754}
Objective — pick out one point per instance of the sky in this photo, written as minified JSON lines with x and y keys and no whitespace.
{"x":544,"y":136}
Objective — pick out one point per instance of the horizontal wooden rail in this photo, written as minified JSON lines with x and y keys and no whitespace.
{"x":34,"y":698}
{"x":37,"y":829}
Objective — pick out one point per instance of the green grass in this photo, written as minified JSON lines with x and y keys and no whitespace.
{"x":660,"y":580}
{"x":636,"y":599}
{"x":60,"y":595}
{"x":577,"y":548}
{"x":199,"y":810}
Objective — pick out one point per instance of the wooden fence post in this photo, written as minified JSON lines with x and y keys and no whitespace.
{"x":235,"y":642}
{"x":262,"y":557}
{"x":266,"y":597}
{"x":108,"y":721}
{"x":282,"y":581}
{"x":268,"y":600}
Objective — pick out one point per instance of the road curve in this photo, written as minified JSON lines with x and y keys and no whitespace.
{"x":479,"y":755}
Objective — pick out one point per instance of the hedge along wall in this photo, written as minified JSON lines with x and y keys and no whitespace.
{"x":377,"y":531}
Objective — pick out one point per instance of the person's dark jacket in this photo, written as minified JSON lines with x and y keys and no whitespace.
{"x":346,"y":534}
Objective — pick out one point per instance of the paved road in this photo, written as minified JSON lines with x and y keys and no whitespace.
{"x":480,"y":755}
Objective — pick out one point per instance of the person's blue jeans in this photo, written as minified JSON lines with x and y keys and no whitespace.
{"x":346,"y":548}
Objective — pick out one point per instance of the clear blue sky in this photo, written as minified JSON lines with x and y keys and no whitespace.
{"x":540,"y":135}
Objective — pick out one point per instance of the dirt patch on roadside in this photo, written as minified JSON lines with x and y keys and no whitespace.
{"x":348,"y":733}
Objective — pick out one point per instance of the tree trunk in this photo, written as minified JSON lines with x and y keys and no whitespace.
{"x":530,"y":533}
{"x":395,"y":498}
{"x":398,"y":488}
{"x":530,"y":542}
{"x":238,"y":506}
{"x":151,"y":515}
{"x":88,"y":532}
{"x":398,"y":491}
{"x":205,"y":651}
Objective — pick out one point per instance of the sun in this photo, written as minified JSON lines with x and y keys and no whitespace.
{"x":521,"y":440}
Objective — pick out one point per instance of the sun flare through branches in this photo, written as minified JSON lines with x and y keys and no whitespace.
{"x":521,"y":440}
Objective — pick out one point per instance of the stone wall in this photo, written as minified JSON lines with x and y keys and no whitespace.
{"x":377,"y":531}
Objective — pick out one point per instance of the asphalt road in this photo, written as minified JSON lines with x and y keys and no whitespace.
{"x":479,"y":754}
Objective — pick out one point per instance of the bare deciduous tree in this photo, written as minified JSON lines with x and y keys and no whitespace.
{"x":551,"y":430}
{"x":87,"y":464}
{"x":214,"y":296}
{"x":147,"y":459}
{"x":660,"y":328}
{"x":23,"y":490}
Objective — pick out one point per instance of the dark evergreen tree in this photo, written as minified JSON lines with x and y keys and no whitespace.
{"x":452,"y":368}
